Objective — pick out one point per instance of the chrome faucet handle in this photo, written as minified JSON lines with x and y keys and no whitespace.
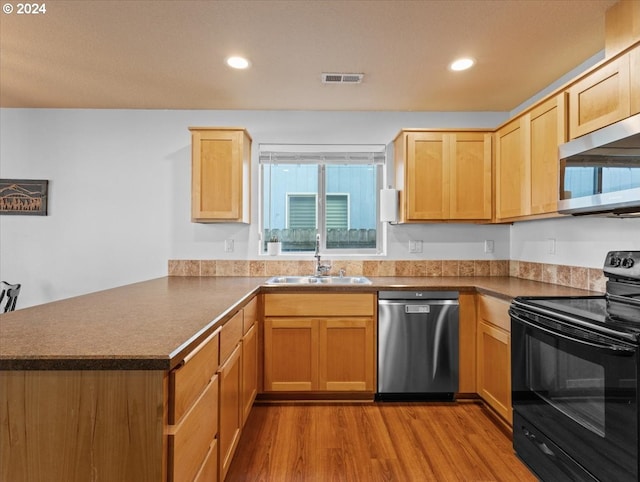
{"x":342,"y":272}
{"x":323,"y":269}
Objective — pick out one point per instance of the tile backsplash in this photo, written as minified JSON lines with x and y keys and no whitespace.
{"x":574,"y":276}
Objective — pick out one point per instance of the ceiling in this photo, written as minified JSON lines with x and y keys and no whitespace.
{"x":170,"y":54}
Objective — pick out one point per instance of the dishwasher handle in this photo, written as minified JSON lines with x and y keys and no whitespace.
{"x":417,"y":309}
{"x":410,"y":304}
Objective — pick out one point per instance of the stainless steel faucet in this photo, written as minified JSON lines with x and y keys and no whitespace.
{"x":321,"y":269}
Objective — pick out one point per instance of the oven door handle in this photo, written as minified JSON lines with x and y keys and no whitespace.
{"x":614,"y":349}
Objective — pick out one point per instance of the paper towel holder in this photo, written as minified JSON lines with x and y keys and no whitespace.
{"x":389,"y":205}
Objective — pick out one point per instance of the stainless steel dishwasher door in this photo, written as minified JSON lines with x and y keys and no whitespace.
{"x":417,"y":345}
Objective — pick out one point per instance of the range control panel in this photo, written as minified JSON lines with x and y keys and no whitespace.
{"x":624,"y":264}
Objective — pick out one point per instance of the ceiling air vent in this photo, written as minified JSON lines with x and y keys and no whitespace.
{"x":333,"y":78}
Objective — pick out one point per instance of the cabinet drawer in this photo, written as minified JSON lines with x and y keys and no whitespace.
{"x":209,"y":470}
{"x":189,"y":441}
{"x":250,"y":315}
{"x":319,"y":304}
{"x":494,"y":311}
{"x":230,"y":335}
{"x":187,"y":382}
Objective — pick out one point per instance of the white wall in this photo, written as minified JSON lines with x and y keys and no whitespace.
{"x":578,"y":240}
{"x":120,"y":191}
{"x":120,"y":197}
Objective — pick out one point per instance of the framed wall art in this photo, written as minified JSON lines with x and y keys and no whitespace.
{"x":23,"y":196}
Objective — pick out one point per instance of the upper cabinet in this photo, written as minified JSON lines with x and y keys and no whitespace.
{"x":527,"y":161}
{"x":221,"y":175}
{"x":601,"y":98}
{"x":634,"y":71}
{"x":443,"y":175}
{"x":513,"y":179}
{"x":547,"y":130}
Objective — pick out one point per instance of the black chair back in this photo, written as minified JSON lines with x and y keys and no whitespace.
{"x":10,"y":292}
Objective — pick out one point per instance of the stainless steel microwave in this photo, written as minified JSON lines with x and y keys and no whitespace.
{"x":600,"y":172}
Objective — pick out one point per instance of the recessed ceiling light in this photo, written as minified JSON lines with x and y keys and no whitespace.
{"x":237,"y":62}
{"x":461,"y":64}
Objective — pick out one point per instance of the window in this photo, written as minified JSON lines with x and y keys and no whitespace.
{"x":302,"y":211}
{"x":326,"y":190}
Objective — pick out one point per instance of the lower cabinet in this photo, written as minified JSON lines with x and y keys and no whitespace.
{"x":319,"y":342}
{"x":346,"y":354}
{"x":191,"y":442}
{"x":467,"y":344}
{"x":230,"y":402}
{"x":193,"y":412}
{"x":210,"y":397}
{"x":230,"y":408}
{"x":290,"y":354}
{"x":250,"y":364}
{"x":494,"y":355}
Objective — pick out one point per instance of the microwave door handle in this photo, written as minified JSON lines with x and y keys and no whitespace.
{"x":612,"y":348}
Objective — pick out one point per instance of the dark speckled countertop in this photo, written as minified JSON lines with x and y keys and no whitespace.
{"x":153,"y":324}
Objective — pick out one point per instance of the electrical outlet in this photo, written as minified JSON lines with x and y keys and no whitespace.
{"x":415,"y":246}
{"x":488,"y":246}
{"x":228,"y":245}
{"x":551,"y":246}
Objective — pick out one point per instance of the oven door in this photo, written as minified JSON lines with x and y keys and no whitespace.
{"x":579,"y":390}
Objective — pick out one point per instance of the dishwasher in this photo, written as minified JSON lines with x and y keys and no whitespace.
{"x":417,"y":345}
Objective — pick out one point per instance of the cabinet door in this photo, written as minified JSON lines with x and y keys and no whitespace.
{"x":249,"y":371}
{"x":494,"y":368}
{"x":346,"y":354}
{"x":230,"y":405}
{"x":512,"y":170}
{"x":427,"y":176}
{"x":290,"y":354}
{"x":467,"y":344}
{"x":600,"y":99}
{"x":547,"y":130}
{"x":220,"y":175}
{"x":634,"y":71}
{"x":470,"y":172}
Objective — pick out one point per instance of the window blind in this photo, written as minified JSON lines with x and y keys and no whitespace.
{"x":322,"y":154}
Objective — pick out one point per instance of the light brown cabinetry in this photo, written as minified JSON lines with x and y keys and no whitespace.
{"x":193,"y":412}
{"x":513,"y":177}
{"x":547,"y":130}
{"x":231,"y":404}
{"x":220,"y":175}
{"x":622,"y":26}
{"x":346,"y":354}
{"x":80,"y":425}
{"x":601,"y":98}
{"x":634,"y":68}
{"x":319,"y":342}
{"x":443,"y":175}
{"x":494,"y":355}
{"x":527,"y":161}
{"x":250,"y":365}
{"x":467,"y":344}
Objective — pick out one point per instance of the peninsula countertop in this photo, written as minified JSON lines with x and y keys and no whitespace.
{"x":152,"y":325}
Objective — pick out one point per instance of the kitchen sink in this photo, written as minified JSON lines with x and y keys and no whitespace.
{"x":318,"y":280}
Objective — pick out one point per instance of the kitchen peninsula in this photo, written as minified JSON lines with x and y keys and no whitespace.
{"x":92,"y":384}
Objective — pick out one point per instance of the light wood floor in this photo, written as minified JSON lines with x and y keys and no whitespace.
{"x":374,"y":442}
